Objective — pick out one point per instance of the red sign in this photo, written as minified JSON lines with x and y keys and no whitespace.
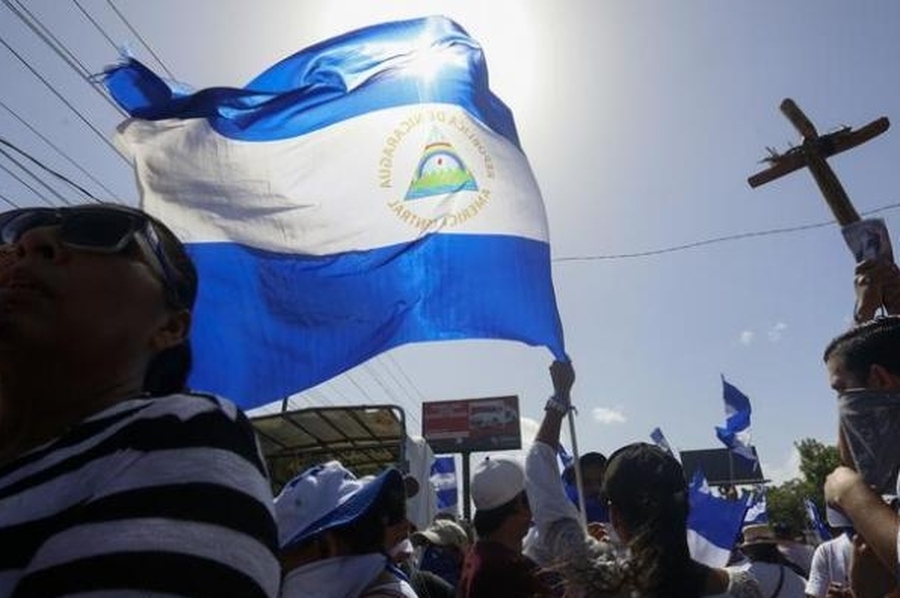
{"x":472,"y":425}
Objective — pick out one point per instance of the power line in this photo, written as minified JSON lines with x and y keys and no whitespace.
{"x":358,"y":386}
{"x":140,"y":38}
{"x":63,"y":100}
{"x":61,"y":50}
{"x":8,"y":201}
{"x":368,"y":367}
{"x":44,"y":184}
{"x":714,"y":240}
{"x":411,"y":399}
{"x":25,"y":184}
{"x":62,"y":153}
{"x":46,"y":168}
{"x":390,"y":358}
{"x":96,"y":25}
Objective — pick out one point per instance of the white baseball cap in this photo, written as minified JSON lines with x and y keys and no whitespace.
{"x":496,"y":481}
{"x":324,"y":497}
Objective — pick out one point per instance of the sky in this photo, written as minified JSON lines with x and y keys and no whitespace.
{"x":641,"y":120}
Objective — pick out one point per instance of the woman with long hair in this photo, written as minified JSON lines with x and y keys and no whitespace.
{"x":648,"y":505}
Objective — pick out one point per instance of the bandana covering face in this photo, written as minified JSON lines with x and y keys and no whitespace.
{"x":870,"y":422}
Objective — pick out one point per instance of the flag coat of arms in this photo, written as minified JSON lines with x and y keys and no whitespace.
{"x":364,"y":193}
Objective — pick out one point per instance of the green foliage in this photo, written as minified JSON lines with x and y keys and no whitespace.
{"x":785,"y":502}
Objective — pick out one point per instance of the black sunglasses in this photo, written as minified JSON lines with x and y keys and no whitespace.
{"x":97,"y":229}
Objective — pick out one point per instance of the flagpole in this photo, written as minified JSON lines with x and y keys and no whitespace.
{"x":579,"y":485}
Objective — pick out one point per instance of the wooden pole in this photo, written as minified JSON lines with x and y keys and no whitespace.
{"x":812,"y":154}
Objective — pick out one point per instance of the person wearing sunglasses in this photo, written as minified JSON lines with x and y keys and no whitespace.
{"x":114,"y":478}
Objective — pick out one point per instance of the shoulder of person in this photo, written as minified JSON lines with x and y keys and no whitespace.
{"x":742,"y":584}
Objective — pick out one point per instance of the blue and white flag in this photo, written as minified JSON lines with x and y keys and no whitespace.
{"x":364,"y":193}
{"x":713,"y":523}
{"x":565,"y":458}
{"x":660,"y":440}
{"x":736,"y":432}
{"x":443,"y":478}
{"x":757,"y":511}
{"x":815,"y":520}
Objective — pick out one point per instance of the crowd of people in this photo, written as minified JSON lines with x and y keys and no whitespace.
{"x":116,"y":480}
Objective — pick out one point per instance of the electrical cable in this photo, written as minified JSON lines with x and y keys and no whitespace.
{"x":714,"y":240}
{"x":46,"y":168}
{"x":96,"y":25}
{"x":58,"y":150}
{"x":61,"y":50}
{"x":25,"y":184}
{"x":64,"y":100}
{"x":141,"y":39}
{"x":43,"y":183}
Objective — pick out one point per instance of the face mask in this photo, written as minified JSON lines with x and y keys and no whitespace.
{"x":870,"y":423}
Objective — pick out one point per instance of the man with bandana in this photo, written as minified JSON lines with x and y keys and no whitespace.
{"x":864,"y":369}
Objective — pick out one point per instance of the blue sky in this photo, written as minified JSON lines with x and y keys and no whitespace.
{"x":642,"y":121}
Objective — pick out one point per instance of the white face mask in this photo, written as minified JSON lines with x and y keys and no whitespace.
{"x":870,"y":422}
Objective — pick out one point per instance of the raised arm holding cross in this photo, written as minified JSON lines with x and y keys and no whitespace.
{"x":877,"y":281}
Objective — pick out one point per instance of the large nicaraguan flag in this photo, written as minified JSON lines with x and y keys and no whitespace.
{"x":364,"y":193}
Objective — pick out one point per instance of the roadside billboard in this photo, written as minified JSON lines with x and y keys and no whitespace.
{"x":472,"y":425}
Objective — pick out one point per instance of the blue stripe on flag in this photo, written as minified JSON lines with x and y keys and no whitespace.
{"x":443,"y":477}
{"x":292,"y":322}
{"x":713,"y":523}
{"x":736,"y":432}
{"x":812,"y":514}
{"x":429,"y":60}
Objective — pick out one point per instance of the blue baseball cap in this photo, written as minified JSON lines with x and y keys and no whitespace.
{"x":324,"y":497}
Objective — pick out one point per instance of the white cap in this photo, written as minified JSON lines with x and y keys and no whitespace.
{"x":496,"y":481}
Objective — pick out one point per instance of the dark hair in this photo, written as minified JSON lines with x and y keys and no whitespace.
{"x":487,"y":521}
{"x":168,"y":371}
{"x":366,"y":534}
{"x":874,"y":342}
{"x":647,"y":487}
{"x":587,"y":460}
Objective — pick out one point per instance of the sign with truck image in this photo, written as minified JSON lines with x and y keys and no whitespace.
{"x":472,"y":425}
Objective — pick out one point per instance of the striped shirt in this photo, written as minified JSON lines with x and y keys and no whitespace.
{"x":152,"y":497}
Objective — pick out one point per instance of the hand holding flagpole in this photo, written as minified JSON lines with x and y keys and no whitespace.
{"x":563,"y":375}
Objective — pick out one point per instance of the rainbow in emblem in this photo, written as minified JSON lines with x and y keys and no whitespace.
{"x":440,"y":171}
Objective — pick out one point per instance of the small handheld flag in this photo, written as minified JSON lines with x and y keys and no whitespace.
{"x":812,"y":514}
{"x":736,"y":432}
{"x":713,"y":523}
{"x":443,"y":478}
{"x":757,"y":512}
{"x":660,"y":440}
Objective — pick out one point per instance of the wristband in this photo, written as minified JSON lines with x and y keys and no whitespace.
{"x":558,"y":405}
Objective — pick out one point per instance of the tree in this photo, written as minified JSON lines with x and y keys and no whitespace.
{"x":785,"y":502}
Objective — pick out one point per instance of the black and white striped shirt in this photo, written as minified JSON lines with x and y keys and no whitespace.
{"x":165,"y":496}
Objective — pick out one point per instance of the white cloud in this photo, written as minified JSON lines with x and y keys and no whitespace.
{"x":529,"y":428}
{"x":746,"y":337}
{"x":605,"y":415}
{"x":787,"y":470}
{"x":775,"y":332}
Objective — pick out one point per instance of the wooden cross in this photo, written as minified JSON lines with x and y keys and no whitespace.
{"x":812,"y":154}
